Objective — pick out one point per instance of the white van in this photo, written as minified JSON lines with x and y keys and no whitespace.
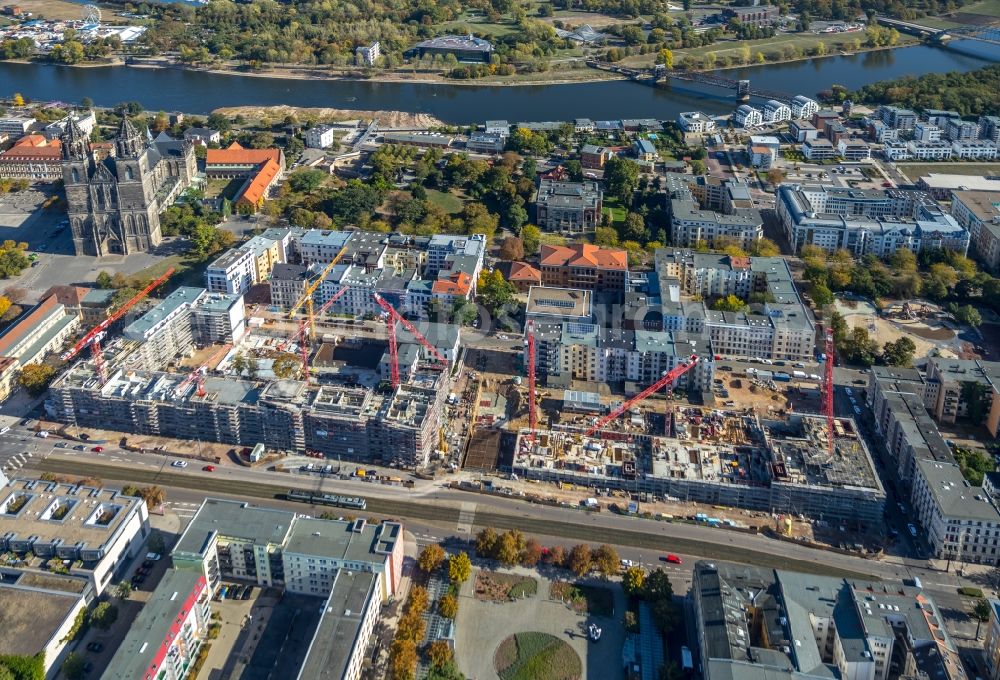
{"x":4,"y":430}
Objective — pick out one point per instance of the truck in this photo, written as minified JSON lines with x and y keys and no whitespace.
{"x":799,"y":374}
{"x":765,"y":375}
{"x":782,"y":377}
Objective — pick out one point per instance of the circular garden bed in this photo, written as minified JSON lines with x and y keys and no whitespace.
{"x":536,"y":656}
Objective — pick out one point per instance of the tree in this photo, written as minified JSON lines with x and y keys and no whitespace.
{"x":439,"y":652}
{"x":459,"y":568}
{"x":556,"y":556}
{"x":666,"y":57}
{"x":306,"y":180}
{"x":449,"y":671}
{"x":418,"y":600}
{"x":104,"y":615}
{"x":220,"y":122}
{"x":448,"y":606}
{"x":431,"y":557}
{"x":411,"y":627}
{"x":978,"y":399}
{"x":495,"y":291}
{"x":765,"y":247}
{"x":730,"y":303}
{"x":968,"y":315}
{"x":403,"y":660}
{"x":775,"y":176}
{"x":579,"y":559}
{"x":821,"y":295}
{"x":606,"y":237}
{"x":103,"y":280}
{"x":285,"y":366}
{"x":532,"y":553}
{"x":860,"y":348}
{"x":512,"y":248}
{"x":479,"y":220}
{"x":634,"y":228}
{"x":5,"y":304}
{"x":508,"y":547}
{"x":981,"y":612}
{"x":605,"y":560}
{"x":657,"y":586}
{"x":35,"y":378}
{"x":665,"y":615}
{"x":531,"y":238}
{"x":123,"y":590}
{"x":899,"y":353}
{"x":18,"y":99}
{"x":621,"y":177}
{"x":486,"y":542}
{"x":633,"y":580}
{"x":73,"y":666}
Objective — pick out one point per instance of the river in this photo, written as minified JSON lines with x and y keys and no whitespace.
{"x":200,"y":92}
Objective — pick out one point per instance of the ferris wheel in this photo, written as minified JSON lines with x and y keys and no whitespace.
{"x":93,"y":14}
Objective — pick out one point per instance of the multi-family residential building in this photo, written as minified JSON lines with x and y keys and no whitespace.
{"x":486,"y":142}
{"x":945,"y":394}
{"x":42,"y":330}
{"x":818,"y":149}
{"x":594,"y":157}
{"x":164,"y":640}
{"x":989,"y":128}
{"x":218,"y":318}
{"x":367,"y":55}
{"x":864,"y":221}
{"x":802,"y":130}
{"x":695,"y":122}
{"x":958,"y":130}
{"x":897,"y":118}
{"x":500,"y":127}
{"x":776,"y":112}
{"x":568,"y":206}
{"x":288,"y":284}
{"x":320,"y":136}
{"x":929,"y":151}
{"x":202,"y":136}
{"x":879,"y":132}
{"x":803,"y":107}
{"x":165,"y":330}
{"x":974,"y":150}
{"x":959,"y":521}
{"x":939,"y":117}
{"x":763,"y":150}
{"x":746,"y":116}
{"x":584,"y":266}
{"x":758,"y":15}
{"x":991,"y":646}
{"x":979,"y":213}
{"x":690,"y":225}
{"x":763,"y":624}
{"x":232,"y":272}
{"x":644,"y":150}
{"x":927,"y":132}
{"x":853,"y":150}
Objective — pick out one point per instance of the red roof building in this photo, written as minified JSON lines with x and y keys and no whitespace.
{"x":584,"y":266}
{"x":33,"y":157}
{"x":261,"y":167}
{"x":523,"y":276}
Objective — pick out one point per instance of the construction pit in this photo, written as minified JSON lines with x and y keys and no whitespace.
{"x":722,"y":458}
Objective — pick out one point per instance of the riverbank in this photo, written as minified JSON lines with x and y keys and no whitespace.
{"x":387,"y":119}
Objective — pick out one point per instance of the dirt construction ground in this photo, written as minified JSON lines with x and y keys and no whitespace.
{"x":925,"y":335}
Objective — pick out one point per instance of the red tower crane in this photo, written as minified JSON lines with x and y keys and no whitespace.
{"x":392,"y":317}
{"x":828,"y":388}
{"x":93,"y":337}
{"x":668,"y":378}
{"x":198,"y":374}
{"x":532,"y":415}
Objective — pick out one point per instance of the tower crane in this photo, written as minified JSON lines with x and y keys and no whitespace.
{"x":198,"y":375}
{"x":828,"y":388}
{"x":93,"y":337}
{"x":668,"y":378}
{"x":307,"y":296}
{"x":301,"y":330}
{"x":392,"y":317}
{"x":532,"y":415}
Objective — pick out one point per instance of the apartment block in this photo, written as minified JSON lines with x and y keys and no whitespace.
{"x":288,"y":284}
{"x":746,"y":116}
{"x":803,"y":107}
{"x":690,"y":225}
{"x":695,"y":122}
{"x":979,"y":213}
{"x":573,"y":207}
{"x":759,"y":624}
{"x":232,"y":272}
{"x":320,"y":136}
{"x":584,"y":266}
{"x":42,"y":330}
{"x":165,"y":331}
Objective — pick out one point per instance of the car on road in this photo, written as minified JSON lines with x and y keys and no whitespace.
{"x":800,"y":365}
{"x":79,"y":447}
{"x":179,"y":464}
{"x":95,"y":647}
{"x":912,"y":529}
{"x":857,"y":411}
{"x":673,"y":559}
{"x":42,"y":433}
{"x":626,"y":563}
{"x":98,"y":449}
{"x":153,"y":556}
{"x":61,"y":445}
{"x":4,"y":430}
{"x":208,"y":468}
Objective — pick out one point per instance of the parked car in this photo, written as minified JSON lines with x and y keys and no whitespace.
{"x":912,"y":529}
{"x":95,"y":647}
{"x":153,"y":556}
{"x":247,"y":593}
{"x":61,"y":445}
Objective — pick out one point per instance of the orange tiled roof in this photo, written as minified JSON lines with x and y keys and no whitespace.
{"x":522,"y":271}
{"x":584,"y":255}
{"x":256,"y":190}
{"x":237,"y":155}
{"x":459,"y":283}
{"x":36,"y":141}
{"x":15,"y":333}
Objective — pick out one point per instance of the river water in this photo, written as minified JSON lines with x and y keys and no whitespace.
{"x":199,"y":92}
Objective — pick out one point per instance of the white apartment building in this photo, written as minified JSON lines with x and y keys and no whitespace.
{"x":819,"y":149}
{"x":219,"y":318}
{"x":368,"y":55}
{"x":958,"y":130}
{"x":320,"y":136}
{"x":690,"y":225}
{"x":896,"y":151}
{"x":232,"y":272}
{"x":775,"y":111}
{"x":926,"y":132}
{"x":165,"y":332}
{"x":974,"y":150}
{"x":695,"y":122}
{"x":803,"y":107}
{"x":929,"y":151}
{"x":747,"y":116}
{"x":16,"y":126}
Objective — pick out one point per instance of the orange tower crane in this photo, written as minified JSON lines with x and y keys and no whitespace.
{"x":93,"y":338}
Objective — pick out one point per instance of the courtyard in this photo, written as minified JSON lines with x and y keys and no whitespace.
{"x":533,"y":636}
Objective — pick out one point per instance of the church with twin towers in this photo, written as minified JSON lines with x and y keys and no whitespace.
{"x":114,"y":199}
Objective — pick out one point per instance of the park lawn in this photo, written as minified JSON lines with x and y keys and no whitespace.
{"x":915,"y":170}
{"x":226,"y":188}
{"x":537,"y":656}
{"x":187,"y":271}
{"x":990,"y":8}
{"x":445,"y":200}
{"x":615,"y":209}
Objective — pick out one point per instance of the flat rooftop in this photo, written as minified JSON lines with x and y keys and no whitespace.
{"x":353,"y":541}
{"x":50,"y":512}
{"x":30,"y":618}
{"x":330,"y":650}
{"x":232,"y":519}
{"x":166,"y":309}
{"x":559,"y":302}
{"x":176,"y":594}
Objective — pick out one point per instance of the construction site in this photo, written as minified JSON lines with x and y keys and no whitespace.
{"x":196,"y":366}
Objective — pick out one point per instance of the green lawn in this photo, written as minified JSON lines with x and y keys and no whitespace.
{"x":536,"y":656}
{"x":445,"y":200}
{"x":188,"y":272}
{"x":915,"y":170}
{"x":616,"y":209}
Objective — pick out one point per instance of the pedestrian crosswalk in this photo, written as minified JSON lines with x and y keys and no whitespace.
{"x":466,"y":517}
{"x":185,"y":510}
{"x":16,"y":461}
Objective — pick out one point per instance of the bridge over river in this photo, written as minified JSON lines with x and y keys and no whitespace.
{"x":742,"y":88}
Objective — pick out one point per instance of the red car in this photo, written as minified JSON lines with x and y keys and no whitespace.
{"x":208,"y":468}
{"x":97,"y":449}
{"x":674,"y":559}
